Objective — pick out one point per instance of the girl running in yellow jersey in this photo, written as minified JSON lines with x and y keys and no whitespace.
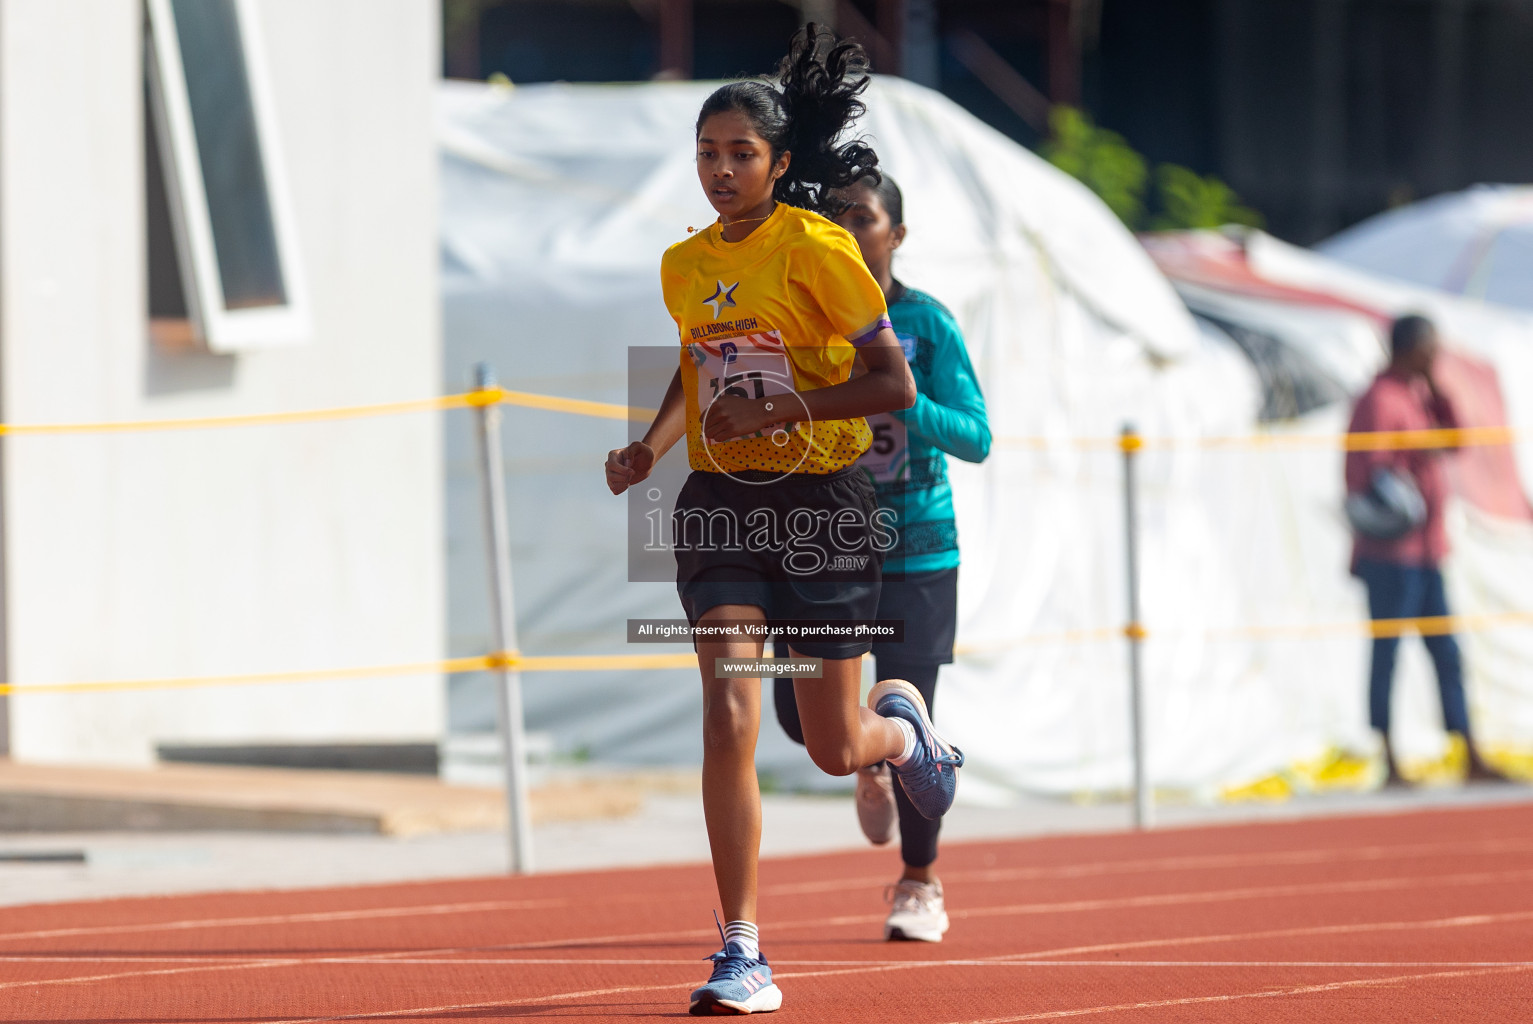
{"x":773,"y":304}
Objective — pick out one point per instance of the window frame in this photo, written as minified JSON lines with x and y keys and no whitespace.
{"x":220,"y":328}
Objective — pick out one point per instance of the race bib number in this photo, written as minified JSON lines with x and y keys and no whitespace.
{"x":750,"y":366}
{"x":888,"y":458}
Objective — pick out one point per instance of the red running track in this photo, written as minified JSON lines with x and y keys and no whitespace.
{"x":1410,"y":917}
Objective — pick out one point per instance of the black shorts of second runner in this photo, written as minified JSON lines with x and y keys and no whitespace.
{"x":803,"y":546}
{"x":927,"y":602}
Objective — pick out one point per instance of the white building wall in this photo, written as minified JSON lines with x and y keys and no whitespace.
{"x":235,"y":550}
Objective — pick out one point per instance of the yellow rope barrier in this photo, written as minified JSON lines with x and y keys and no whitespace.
{"x":451,"y":665}
{"x":245,"y":420}
{"x":1383,"y":440}
{"x":1430,"y":626}
{"x":448,"y":666}
{"x":603,"y":662}
{"x":1375,"y":441}
{"x":1438,"y":625}
{"x":578,"y":406}
{"x":470,"y":399}
{"x":1387,"y":440}
{"x":1460,"y":437}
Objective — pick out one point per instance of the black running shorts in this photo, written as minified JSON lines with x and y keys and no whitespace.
{"x":802,"y":546}
{"x":927,"y":603}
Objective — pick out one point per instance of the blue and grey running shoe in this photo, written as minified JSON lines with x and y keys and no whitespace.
{"x":740,"y":983}
{"x":930,"y":777}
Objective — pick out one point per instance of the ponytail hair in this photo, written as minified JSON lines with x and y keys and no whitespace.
{"x":821,"y":80}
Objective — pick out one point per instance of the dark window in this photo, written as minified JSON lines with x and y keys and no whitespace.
{"x":229,"y":153}
{"x":167,"y":290}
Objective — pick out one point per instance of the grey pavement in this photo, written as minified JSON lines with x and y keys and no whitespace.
{"x":667,"y":829}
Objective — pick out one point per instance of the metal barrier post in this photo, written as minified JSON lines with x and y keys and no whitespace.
{"x":503,"y":620}
{"x":1130,"y":443}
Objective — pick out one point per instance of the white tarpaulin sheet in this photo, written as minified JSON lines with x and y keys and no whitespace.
{"x":558,"y":201}
{"x":1336,"y":315}
{"x":1477,"y":243}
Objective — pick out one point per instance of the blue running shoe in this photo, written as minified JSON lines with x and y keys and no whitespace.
{"x":930,"y":777}
{"x":740,"y":983}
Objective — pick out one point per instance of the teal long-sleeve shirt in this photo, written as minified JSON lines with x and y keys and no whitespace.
{"x":948,"y":418}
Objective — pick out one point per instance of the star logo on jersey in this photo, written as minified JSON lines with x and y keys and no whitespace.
{"x":723,"y":297}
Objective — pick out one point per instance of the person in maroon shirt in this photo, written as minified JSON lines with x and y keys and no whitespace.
{"x":1404,"y":575}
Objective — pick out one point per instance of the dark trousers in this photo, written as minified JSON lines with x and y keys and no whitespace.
{"x":1408,"y":592}
{"x":918,"y":834}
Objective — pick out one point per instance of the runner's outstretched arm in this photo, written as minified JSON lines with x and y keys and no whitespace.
{"x":628,"y":466}
{"x":950,"y":414}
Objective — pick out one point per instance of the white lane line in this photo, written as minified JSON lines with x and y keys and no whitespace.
{"x":232,"y":963}
{"x":859,"y":968}
{"x":381,"y":959}
{"x":1459,"y":921}
{"x":1298,"y":990}
{"x":209,"y":965}
{"x":214,"y":961}
{"x":637,"y":989}
{"x":488,"y":906}
{"x":1072,"y":906}
{"x":1197,"y":862}
{"x":1381,"y":964}
{"x":92,"y":978}
{"x":1040,"y":954}
{"x":492,"y":1005}
{"x":1248,"y":892}
{"x":370,"y":913}
{"x":1169,"y":899}
{"x":1188,"y":898}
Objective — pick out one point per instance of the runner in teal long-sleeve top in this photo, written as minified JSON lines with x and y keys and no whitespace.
{"x":948,"y":417}
{"x":908,"y":464}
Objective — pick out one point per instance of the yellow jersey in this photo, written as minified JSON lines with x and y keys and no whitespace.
{"x":776,"y":314}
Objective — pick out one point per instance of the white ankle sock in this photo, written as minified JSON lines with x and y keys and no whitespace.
{"x":909,"y":732}
{"x":745,"y":935}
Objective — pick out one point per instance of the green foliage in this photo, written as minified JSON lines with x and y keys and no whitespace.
{"x":459,"y":16}
{"x":1119,"y":175}
{"x":1101,"y":159}
{"x":1190,"y":200}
